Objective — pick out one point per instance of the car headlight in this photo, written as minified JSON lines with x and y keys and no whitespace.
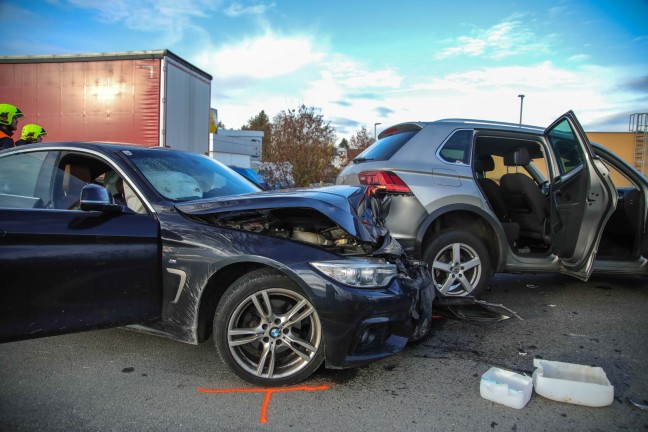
{"x":358,"y":273}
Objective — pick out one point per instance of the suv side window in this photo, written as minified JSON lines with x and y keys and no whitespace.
{"x":456,"y":148}
{"x":566,"y":147}
{"x":19,"y":180}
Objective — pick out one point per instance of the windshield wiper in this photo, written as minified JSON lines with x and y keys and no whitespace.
{"x":358,"y":160}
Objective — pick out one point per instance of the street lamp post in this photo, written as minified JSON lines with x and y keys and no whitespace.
{"x":375,"y":136}
{"x":521,"y":96}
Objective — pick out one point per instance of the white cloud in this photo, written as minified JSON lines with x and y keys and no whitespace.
{"x":328,"y":80}
{"x":350,"y":74}
{"x":503,"y":40}
{"x":172,"y":20}
{"x":487,"y":93}
{"x":491,"y":94}
{"x":540,"y":76}
{"x":149,"y":15}
{"x":237,"y":9}
{"x":579,"y":57}
{"x":264,"y":57}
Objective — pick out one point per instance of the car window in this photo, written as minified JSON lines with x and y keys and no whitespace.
{"x":566,"y":147}
{"x":180,"y":176}
{"x":121,"y":191}
{"x":385,"y":148}
{"x":536,"y":170}
{"x":456,"y":148}
{"x":75,"y":170}
{"x":19,"y":180}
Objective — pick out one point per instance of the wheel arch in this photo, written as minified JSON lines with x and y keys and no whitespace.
{"x":221,"y":280}
{"x":467,"y":218}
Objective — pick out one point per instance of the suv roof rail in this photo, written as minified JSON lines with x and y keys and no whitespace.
{"x":490,"y":123}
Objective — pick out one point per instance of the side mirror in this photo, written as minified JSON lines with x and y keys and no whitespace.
{"x":97,"y":198}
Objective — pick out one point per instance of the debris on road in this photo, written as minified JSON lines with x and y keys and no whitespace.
{"x":641,"y":406}
{"x":572,"y":383}
{"x":471,"y":309}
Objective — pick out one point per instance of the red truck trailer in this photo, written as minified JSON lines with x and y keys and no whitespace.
{"x":148,"y":98}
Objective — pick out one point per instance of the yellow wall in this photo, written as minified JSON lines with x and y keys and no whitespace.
{"x":501,"y":169}
{"x":621,"y":143}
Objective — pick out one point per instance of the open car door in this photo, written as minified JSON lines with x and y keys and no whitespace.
{"x":582,"y":195}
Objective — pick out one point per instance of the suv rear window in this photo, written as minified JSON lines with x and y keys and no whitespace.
{"x":385,"y":148}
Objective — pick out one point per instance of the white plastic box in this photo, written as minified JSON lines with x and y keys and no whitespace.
{"x":572,"y":383}
{"x":506,"y":387}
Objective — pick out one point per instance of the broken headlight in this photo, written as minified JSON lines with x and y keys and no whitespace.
{"x":359,"y":273}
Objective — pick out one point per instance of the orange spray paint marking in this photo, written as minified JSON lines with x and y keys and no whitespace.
{"x":263,"y":418}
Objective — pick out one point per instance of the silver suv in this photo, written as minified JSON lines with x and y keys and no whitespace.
{"x":475,"y":197}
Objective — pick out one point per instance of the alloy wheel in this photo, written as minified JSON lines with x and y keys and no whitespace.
{"x":274,"y":333}
{"x":456,"y":269}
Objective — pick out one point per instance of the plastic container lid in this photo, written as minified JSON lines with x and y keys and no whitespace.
{"x":506,"y":387}
{"x":572,"y":383}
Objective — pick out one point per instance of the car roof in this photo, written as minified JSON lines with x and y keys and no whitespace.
{"x":488,"y":124}
{"x":460,"y":123}
{"x":103,"y":147}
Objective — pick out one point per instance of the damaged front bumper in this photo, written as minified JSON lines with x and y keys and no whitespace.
{"x":363,"y":325}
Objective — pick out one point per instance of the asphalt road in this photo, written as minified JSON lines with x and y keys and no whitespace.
{"x":122,"y":380}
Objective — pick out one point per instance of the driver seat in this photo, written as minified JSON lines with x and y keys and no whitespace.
{"x":75,"y":176}
{"x":528,"y":206}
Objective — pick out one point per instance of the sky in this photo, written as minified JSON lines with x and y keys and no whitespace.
{"x":365,"y":62}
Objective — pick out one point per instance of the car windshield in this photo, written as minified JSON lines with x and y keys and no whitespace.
{"x":180,"y":176}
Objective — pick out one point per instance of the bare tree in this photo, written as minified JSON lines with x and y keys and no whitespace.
{"x":361,"y":139}
{"x":303,"y":139}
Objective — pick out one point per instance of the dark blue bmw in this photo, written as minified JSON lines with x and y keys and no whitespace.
{"x":178,"y":245}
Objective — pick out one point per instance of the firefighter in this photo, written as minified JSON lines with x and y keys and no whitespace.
{"x":31,"y":133}
{"x":9,"y":116}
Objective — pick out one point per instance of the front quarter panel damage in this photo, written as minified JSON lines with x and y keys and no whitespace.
{"x":282,"y":237}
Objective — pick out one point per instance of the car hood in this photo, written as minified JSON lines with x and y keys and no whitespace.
{"x":350,"y":207}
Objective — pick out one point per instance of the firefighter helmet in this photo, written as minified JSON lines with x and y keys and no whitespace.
{"x":31,"y":132}
{"x":8,"y":113}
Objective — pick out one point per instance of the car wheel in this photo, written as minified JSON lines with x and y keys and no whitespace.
{"x":459,"y":263}
{"x":267,"y":331}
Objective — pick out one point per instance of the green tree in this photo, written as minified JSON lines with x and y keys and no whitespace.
{"x":302,"y":138}
{"x":261,"y":122}
{"x":344,"y":144}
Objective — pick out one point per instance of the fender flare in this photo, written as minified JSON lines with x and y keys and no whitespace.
{"x":494,"y":224}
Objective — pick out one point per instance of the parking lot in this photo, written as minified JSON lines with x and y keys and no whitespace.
{"x":123,"y":380}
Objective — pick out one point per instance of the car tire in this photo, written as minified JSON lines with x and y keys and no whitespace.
{"x":459,"y":263}
{"x":267,"y":331}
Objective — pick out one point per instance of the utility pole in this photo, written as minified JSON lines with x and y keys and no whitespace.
{"x":375,"y":136}
{"x":521,"y":96}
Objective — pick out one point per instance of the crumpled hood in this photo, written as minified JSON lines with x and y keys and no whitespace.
{"x":345,"y":205}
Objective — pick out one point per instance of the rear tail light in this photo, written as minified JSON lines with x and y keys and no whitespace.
{"x":384,"y":179}
{"x":390,"y":131}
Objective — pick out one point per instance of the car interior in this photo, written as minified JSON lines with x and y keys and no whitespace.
{"x":516,"y":193}
{"x":77,"y":171}
{"x":622,"y":235}
{"x":512,"y":173}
